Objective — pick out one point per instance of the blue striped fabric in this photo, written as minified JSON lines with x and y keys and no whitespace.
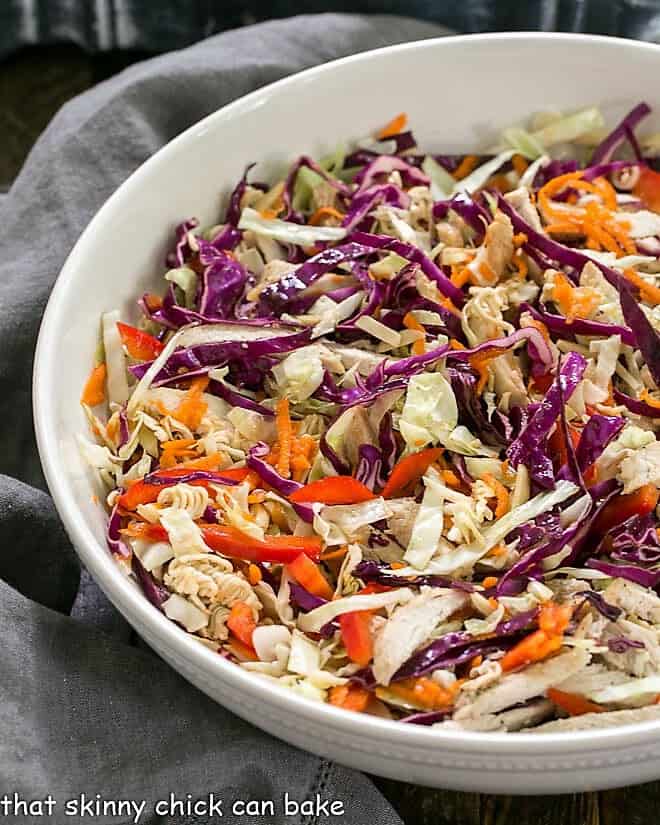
{"x":147,"y":25}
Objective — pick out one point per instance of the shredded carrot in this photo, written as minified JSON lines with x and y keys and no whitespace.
{"x":135,"y":529}
{"x":574,"y":301}
{"x":328,"y":555}
{"x":573,"y":703}
{"x":301,"y":453}
{"x":480,"y":362}
{"x":448,"y":304}
{"x":519,"y":239}
{"x":460,"y":275}
{"x":619,"y":231}
{"x":454,"y":344}
{"x":486,"y":272}
{"x":325,"y":212}
{"x":519,"y":164}
{"x":533,"y":322}
{"x":648,"y":292}
{"x":533,"y":648}
{"x":467,"y":165}
{"x":501,"y":494}
{"x":257,"y":497}
{"x":206,"y":462}
{"x":562,"y":294}
{"x":112,"y":427}
{"x":175,"y":458}
{"x":608,"y":192}
{"x":595,"y":221}
{"x":94,"y":390}
{"x":498,"y":550}
{"x":521,"y":265}
{"x":595,"y":230}
{"x":476,"y":661}
{"x":299,"y":466}
{"x":394,"y":127}
{"x":152,"y":302}
{"x":192,"y":408}
{"x":554,"y":618}
{"x":553,"y":621}
{"x":170,"y":458}
{"x":424,"y":692}
{"x":558,"y":184}
{"x":284,"y":437}
{"x":349,"y":697}
{"x":254,"y":574}
{"x":490,"y":581}
{"x":646,"y":397}
{"x":180,"y":452}
{"x":178,"y":443}
{"x":451,"y":479}
{"x":500,"y":182}
{"x":397,"y":565}
{"x":410,"y":322}
{"x":564,"y":228}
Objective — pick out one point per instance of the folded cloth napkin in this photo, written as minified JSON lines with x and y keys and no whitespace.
{"x":86,"y":715}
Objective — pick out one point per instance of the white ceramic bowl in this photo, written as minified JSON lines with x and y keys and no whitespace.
{"x":458,"y":92}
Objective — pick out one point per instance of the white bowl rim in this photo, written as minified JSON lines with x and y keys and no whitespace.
{"x":99,"y":561}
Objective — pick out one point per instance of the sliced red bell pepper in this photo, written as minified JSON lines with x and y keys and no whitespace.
{"x":139,"y":344}
{"x":234,"y":473}
{"x":229,"y":541}
{"x":557,"y":444}
{"x":309,"y":575}
{"x":356,"y":636}
{"x":409,"y":470}
{"x":144,"y":492}
{"x":542,"y":383}
{"x":333,"y":490}
{"x":276,"y":549}
{"x":140,"y":492}
{"x":647,"y":188}
{"x":244,"y":653}
{"x":639,"y":503}
{"x":241,"y":622}
{"x":374,"y":587}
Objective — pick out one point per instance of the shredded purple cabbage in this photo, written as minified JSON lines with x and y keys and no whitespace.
{"x":622,"y":644}
{"x":529,"y":447}
{"x":156,"y":593}
{"x":604,"y":151}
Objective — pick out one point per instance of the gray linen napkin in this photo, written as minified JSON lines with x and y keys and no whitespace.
{"x":81,"y":710}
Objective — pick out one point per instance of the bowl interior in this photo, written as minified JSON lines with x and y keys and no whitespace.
{"x":458,"y":93}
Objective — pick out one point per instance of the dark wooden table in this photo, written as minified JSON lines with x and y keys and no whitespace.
{"x":27,"y":103}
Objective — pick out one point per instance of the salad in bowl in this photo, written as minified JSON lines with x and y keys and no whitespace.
{"x":388,"y":435}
